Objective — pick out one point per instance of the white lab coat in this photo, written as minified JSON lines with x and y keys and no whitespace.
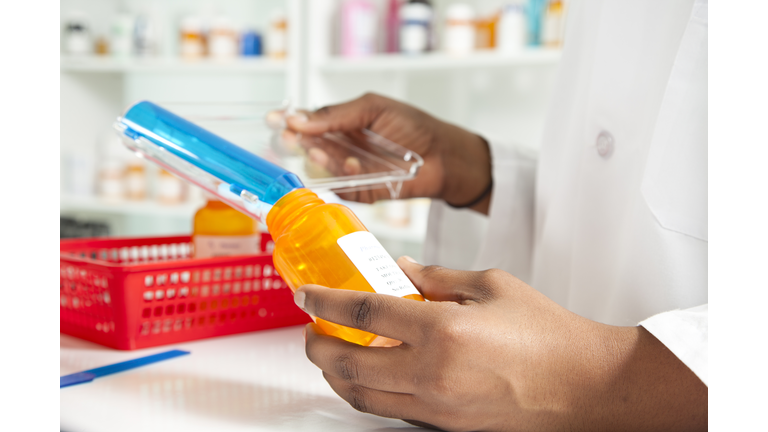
{"x":610,"y":218}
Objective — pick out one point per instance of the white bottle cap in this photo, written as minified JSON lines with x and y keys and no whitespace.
{"x":415,"y":12}
{"x":460,"y":12}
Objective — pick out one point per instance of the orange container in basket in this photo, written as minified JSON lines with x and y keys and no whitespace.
{"x":131,"y":293}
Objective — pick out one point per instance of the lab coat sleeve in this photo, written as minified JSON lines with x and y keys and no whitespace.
{"x":685,"y":333}
{"x":465,"y":239}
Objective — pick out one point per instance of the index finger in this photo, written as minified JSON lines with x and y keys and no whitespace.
{"x":380,"y":314}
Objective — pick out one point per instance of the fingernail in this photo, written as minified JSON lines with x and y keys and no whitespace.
{"x":318,"y":156}
{"x":275,"y":120}
{"x":351,"y":166}
{"x":299,"y":298}
{"x":409,"y":259}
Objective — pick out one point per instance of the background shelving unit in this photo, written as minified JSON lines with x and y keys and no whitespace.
{"x":96,"y":64}
{"x":440,"y":62}
{"x":501,"y":97}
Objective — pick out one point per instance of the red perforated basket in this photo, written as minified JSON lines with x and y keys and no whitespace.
{"x":130,"y":293}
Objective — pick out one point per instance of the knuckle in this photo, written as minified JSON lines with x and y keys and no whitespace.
{"x":362,"y":312}
{"x":324,"y":111}
{"x":453,"y":328}
{"x":346,"y":366}
{"x":451,"y":332}
{"x":441,"y":387}
{"x":357,"y":399}
{"x":431,"y":271}
{"x":487,"y":282}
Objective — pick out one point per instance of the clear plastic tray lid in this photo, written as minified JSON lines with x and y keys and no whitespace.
{"x":197,"y":143}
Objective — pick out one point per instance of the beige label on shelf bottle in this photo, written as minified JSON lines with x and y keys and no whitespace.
{"x":375,"y":264}
{"x":207,"y":246}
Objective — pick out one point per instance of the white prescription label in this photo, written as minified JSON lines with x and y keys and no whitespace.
{"x":375,"y":264}
{"x":207,"y":246}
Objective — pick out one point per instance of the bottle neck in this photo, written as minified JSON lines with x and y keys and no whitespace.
{"x":289,"y":208}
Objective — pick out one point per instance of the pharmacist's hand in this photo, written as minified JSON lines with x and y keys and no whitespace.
{"x":488,"y":352}
{"x":456,"y":162}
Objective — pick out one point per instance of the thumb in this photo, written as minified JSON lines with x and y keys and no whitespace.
{"x":349,"y":116}
{"x":443,"y":284}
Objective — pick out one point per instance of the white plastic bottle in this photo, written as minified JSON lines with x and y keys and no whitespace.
{"x":145,"y":35}
{"x":512,"y":33}
{"x":77,"y":37}
{"x":414,"y":28}
{"x":121,"y":36}
{"x":222,"y":39}
{"x":277,"y":35}
{"x":459,"y":36}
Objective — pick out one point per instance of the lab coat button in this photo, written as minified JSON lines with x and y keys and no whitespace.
{"x":604,"y":144}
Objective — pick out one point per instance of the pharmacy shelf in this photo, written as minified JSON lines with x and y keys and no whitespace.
{"x":126,"y":207}
{"x":108,"y":64}
{"x":440,"y":61}
{"x":412,"y":233}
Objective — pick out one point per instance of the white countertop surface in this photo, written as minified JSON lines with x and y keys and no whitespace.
{"x":259,"y":381}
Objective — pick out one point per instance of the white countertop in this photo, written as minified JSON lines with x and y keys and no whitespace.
{"x":259,"y":381}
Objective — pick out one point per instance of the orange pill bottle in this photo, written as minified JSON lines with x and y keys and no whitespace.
{"x":220,"y":230}
{"x":326,"y":244}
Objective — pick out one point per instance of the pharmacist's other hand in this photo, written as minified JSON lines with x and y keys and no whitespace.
{"x":456,"y":162}
{"x":488,"y":352}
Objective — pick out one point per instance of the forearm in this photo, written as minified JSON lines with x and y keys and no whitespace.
{"x":641,"y":386}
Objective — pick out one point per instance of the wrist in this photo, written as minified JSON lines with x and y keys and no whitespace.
{"x":467,"y":168}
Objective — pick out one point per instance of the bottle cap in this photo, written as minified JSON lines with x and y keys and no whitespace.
{"x":460,"y":12}
{"x":415,"y":12}
{"x":237,"y":176}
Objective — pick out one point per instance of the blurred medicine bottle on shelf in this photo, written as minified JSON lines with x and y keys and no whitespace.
{"x":486,"y":27}
{"x":415,"y":19}
{"x":392,"y":26}
{"x":192,"y":43}
{"x":512,"y":32}
{"x":144,"y":36}
{"x":170,"y":189}
{"x":397,"y":213}
{"x":136,"y":180}
{"x":101,"y":46}
{"x":250,"y":43}
{"x":220,"y":230}
{"x":77,"y":37}
{"x":553,"y":25}
{"x":277,"y":35}
{"x":112,"y":180}
{"x":121,"y":36}
{"x":222,"y":39}
{"x":358,"y":28}
{"x":459,"y":32}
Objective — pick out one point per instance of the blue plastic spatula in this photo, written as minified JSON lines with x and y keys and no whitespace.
{"x":91,"y":374}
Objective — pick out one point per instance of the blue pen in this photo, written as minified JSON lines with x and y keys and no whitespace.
{"x":91,"y":374}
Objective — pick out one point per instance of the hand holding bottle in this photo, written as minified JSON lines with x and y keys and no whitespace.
{"x":488,"y":352}
{"x":456,"y":162}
